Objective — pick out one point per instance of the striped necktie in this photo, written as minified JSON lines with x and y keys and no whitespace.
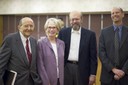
{"x":117,"y":44}
{"x":29,"y":55}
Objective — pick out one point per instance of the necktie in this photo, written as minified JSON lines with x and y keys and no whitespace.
{"x":116,"y":43}
{"x":29,"y":55}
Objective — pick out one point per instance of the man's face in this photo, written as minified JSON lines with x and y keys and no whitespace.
{"x":27,"y":27}
{"x":75,"y":20}
{"x":117,"y":15}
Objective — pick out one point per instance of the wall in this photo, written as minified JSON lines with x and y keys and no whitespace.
{"x":58,"y":6}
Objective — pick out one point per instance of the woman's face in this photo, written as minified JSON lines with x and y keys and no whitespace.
{"x":52,"y":30}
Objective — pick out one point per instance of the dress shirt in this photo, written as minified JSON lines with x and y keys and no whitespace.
{"x":74,"y":45}
{"x":23,"y":39}
{"x":120,"y":31}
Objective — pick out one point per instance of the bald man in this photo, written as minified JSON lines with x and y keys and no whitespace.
{"x":18,"y":53}
{"x":113,"y":54}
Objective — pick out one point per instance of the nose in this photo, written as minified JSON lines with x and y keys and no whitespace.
{"x":74,"y":21}
{"x":29,"y":27}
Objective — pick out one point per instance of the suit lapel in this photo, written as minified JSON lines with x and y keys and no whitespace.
{"x":33,"y":49}
{"x":124,"y":35}
{"x":111,"y":32}
{"x":21,"y":50}
{"x":68,"y":38}
{"x":50,"y":46}
{"x":82,"y":39}
{"x":48,"y":43}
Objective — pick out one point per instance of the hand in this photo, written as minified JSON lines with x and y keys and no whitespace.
{"x":116,"y":77}
{"x":118,"y":73}
{"x":92,"y":79}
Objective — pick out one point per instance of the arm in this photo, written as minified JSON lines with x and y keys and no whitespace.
{"x":93,"y":54}
{"x":5,"y":53}
{"x":93,"y":64}
{"x":40,"y":65}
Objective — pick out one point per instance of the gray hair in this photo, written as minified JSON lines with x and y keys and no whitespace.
{"x":55,"y":21}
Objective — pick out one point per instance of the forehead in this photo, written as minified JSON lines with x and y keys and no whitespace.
{"x":75,"y":15}
{"x":27,"y":21}
{"x":116,"y":10}
{"x":51,"y":23}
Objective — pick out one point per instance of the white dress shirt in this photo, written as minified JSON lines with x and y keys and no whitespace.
{"x":23,"y":39}
{"x":74,"y":45}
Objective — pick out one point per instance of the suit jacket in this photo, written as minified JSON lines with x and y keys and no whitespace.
{"x":106,"y":52}
{"x":13,"y":57}
{"x":47,"y":66}
{"x":87,"y":63}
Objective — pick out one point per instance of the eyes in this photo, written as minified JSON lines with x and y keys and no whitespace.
{"x":115,"y":13}
{"x":75,"y":19}
{"x":28,"y":26}
{"x":51,"y":27}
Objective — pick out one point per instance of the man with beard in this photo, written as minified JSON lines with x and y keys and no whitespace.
{"x":80,"y":52}
{"x":113,"y":51}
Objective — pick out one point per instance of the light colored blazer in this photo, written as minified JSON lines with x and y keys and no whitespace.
{"x":46,"y":62}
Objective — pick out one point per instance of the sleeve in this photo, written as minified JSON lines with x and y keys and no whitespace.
{"x":103,"y":54}
{"x":5,"y":53}
{"x":40,"y":64}
{"x":93,"y":54}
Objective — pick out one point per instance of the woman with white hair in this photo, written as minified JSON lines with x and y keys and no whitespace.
{"x":50,"y":61}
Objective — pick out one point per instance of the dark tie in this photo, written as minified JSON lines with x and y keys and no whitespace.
{"x":117,"y":46}
{"x":29,"y":55}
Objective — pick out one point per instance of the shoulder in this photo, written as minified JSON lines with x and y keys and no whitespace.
{"x":126,"y":27}
{"x":11,"y":36}
{"x":60,"y":41}
{"x":65,"y":29}
{"x":32,"y":38}
{"x":107,"y":28}
{"x":42,"y":40}
{"x":85,"y":30}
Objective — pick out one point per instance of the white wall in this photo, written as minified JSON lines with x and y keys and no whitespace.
{"x":58,"y":6}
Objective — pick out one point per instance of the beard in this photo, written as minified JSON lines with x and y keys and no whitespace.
{"x":76,"y":27}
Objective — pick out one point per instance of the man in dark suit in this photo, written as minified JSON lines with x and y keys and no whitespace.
{"x":113,"y":51}
{"x":20,"y":56}
{"x":80,"y":52}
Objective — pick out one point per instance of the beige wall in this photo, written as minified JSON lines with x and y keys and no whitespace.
{"x":58,"y":6}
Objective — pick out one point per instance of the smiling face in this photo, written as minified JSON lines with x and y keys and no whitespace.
{"x":26,"y":26}
{"x":117,"y":15}
{"x":51,"y":28}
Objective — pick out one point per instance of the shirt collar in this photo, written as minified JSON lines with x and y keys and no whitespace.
{"x":74,"y":31}
{"x":22,"y":37}
{"x":120,"y":27}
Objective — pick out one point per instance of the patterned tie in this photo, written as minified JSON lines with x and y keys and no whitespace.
{"x":117,"y":44}
{"x":29,"y":55}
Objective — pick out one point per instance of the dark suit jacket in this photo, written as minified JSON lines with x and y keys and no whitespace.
{"x":13,"y":57}
{"x":87,"y":52}
{"x":106,"y":52}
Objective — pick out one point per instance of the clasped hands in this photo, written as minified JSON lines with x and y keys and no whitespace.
{"x":118,"y":73}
